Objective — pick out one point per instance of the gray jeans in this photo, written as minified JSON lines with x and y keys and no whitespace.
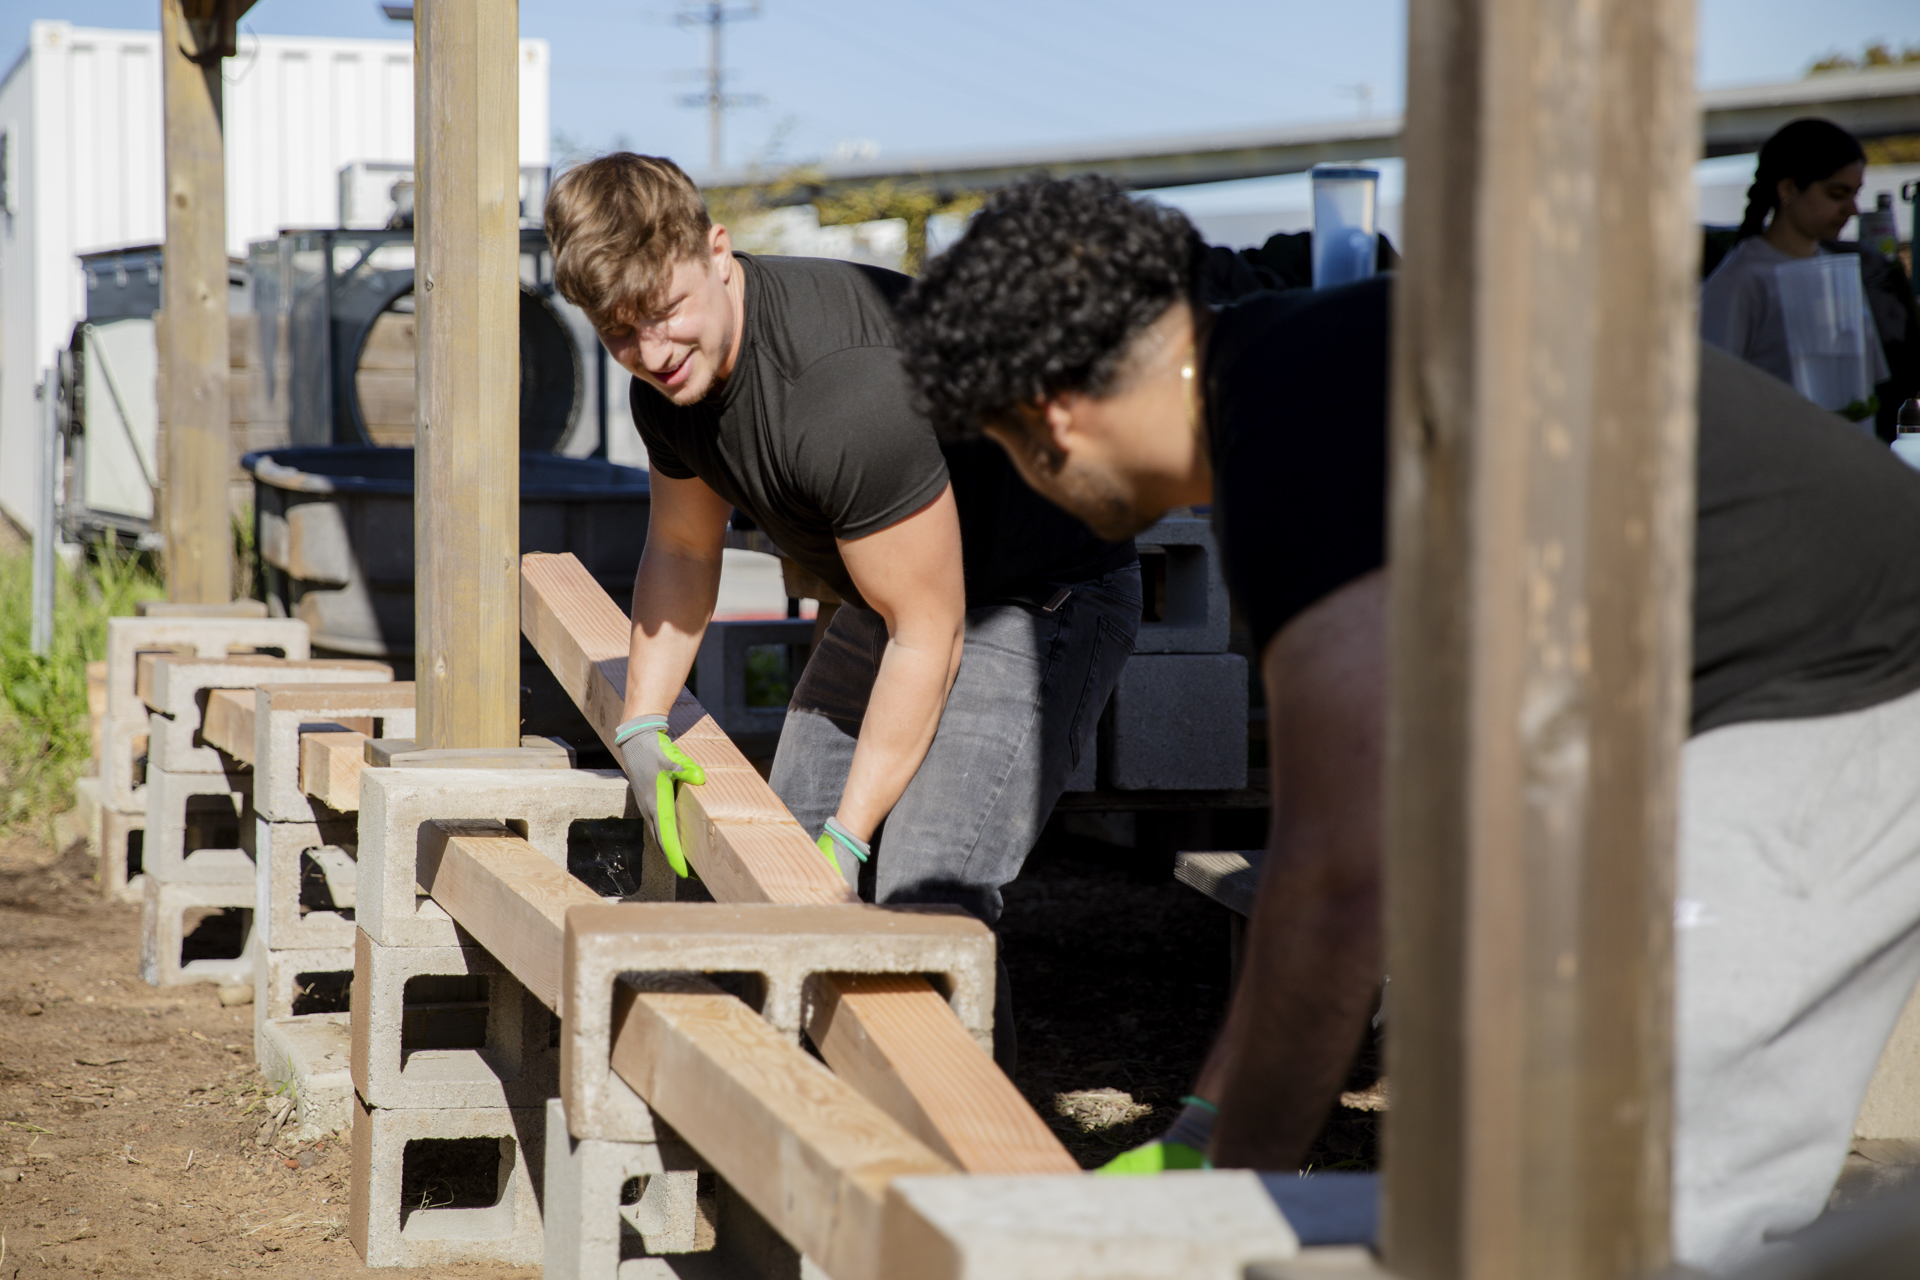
{"x":1021,"y":716}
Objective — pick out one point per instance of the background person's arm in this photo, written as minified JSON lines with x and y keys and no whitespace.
{"x":674,"y":591}
{"x":910,"y":575}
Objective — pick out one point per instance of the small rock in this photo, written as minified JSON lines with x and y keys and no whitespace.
{"x":31,"y":1009}
{"x":237,"y":993}
{"x":98,"y":1059}
{"x":306,"y":1159}
{"x":10,"y":1175}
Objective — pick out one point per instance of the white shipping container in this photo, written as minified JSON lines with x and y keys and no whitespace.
{"x":82,"y":168}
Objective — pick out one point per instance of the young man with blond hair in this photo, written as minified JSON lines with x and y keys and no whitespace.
{"x":959,"y":684}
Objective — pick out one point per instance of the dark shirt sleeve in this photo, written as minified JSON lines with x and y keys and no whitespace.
{"x":662,"y":459}
{"x":857,"y":451}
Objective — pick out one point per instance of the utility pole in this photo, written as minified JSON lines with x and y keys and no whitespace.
{"x":714,"y":16}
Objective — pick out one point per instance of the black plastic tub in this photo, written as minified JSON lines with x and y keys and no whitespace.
{"x":333,"y":528}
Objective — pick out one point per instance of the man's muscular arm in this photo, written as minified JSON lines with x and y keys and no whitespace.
{"x":910,"y":575}
{"x":674,"y":591}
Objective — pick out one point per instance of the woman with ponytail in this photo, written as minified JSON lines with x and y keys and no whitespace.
{"x":1802,"y":195}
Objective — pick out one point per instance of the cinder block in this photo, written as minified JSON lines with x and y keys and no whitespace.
{"x":179,"y":699}
{"x":721,"y":685}
{"x":282,"y":714}
{"x":309,"y":1057}
{"x":447,"y":1027}
{"x":126,"y":717}
{"x":305,"y":883}
{"x":1197,"y":1225}
{"x":287,"y":983}
{"x":165,"y":960}
{"x":199,"y":826}
{"x":777,"y":948}
{"x":396,"y":804}
{"x":122,"y":856}
{"x":1178,"y":722}
{"x":1186,"y":592}
{"x":590,"y":1232}
{"x":389,"y":1227}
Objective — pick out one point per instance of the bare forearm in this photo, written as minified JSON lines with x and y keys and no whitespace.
{"x":673,"y":598}
{"x":903,"y":711}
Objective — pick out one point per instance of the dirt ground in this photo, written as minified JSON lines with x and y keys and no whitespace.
{"x":131,"y":1117}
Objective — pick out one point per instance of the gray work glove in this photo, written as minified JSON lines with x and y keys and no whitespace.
{"x":653,"y":764}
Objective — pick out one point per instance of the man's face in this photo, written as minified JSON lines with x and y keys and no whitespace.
{"x":687,"y":347}
{"x":1081,"y":475}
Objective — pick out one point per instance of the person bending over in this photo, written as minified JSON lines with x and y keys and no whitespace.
{"x":982,"y":629}
{"x":1064,"y":325}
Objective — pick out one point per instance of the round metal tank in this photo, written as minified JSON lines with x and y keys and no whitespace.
{"x":334,"y":532}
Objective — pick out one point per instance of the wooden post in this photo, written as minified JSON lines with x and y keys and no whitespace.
{"x":194,"y":36}
{"x":1541,"y":535}
{"x":466,"y":434}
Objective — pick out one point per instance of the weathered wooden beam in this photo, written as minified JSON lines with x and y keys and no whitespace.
{"x":810,"y":1154}
{"x":746,"y":848}
{"x":511,"y":897}
{"x":1541,"y":522}
{"x":193,"y":346}
{"x":330,"y":765}
{"x":467,"y":432}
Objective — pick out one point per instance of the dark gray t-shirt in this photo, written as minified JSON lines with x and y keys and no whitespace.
{"x":814,"y":435}
{"x":1806,"y":597}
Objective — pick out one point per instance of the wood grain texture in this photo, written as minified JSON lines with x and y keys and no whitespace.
{"x":194,"y":409}
{"x":511,"y":897}
{"x":744,"y":844}
{"x":895,"y":1040}
{"x":330,"y":765}
{"x":228,"y":723}
{"x":467,"y":322}
{"x":798,"y":1143}
{"x":394,"y":696}
{"x":1540,"y":538}
{"x":747,"y":848}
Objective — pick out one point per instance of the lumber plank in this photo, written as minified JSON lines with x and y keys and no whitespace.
{"x":330,"y":765}
{"x":747,"y":848}
{"x":228,"y":723}
{"x":896,"y":1041}
{"x":811,"y":1155}
{"x":511,"y":897}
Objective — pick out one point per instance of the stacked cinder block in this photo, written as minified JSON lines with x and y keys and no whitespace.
{"x":198,"y":847}
{"x":721,"y":676}
{"x":1177,"y":720}
{"x":120,"y":755}
{"x":449,"y":1052}
{"x":304,"y":893}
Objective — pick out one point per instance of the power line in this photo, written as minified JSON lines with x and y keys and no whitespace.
{"x":714,"y":16}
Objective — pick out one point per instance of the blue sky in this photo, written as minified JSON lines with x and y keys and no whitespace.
{"x":977,"y":74}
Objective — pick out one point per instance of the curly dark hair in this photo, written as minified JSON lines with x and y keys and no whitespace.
{"x":1041,"y":296}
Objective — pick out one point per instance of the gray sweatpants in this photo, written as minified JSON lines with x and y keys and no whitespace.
{"x":1798,"y":943}
{"x":1021,"y":715}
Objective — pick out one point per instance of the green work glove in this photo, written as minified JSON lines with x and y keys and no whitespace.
{"x":836,"y":835}
{"x":653,"y":764}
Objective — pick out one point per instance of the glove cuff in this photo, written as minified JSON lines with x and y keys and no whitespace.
{"x":639,"y":724}
{"x":854,"y":844}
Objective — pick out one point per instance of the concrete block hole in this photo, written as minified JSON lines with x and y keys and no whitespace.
{"x":444,"y":1011}
{"x":214,"y":933}
{"x":212,"y":822}
{"x":605,"y":854}
{"x":316,"y":892}
{"x":136,"y":853}
{"x":463,"y":1176}
{"x":323,"y":993}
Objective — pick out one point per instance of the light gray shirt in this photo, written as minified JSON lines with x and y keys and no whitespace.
{"x":1740,"y":311}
